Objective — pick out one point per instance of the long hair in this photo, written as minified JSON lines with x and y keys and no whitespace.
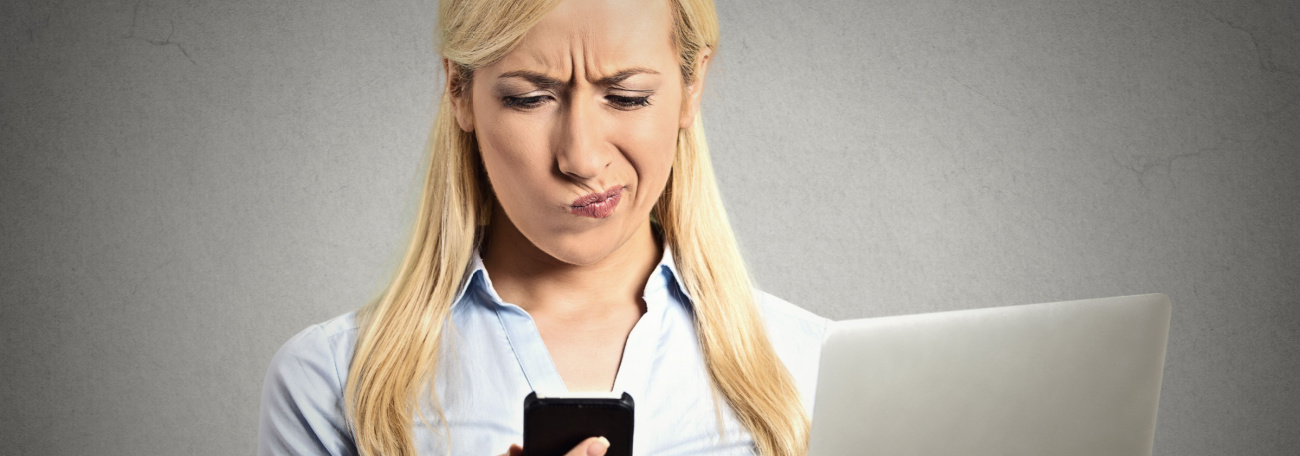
{"x":402,"y":330}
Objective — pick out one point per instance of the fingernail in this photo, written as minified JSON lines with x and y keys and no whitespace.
{"x":598,"y":447}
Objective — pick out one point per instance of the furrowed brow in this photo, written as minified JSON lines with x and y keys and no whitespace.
{"x":540,"y":80}
{"x":616,"y":78}
{"x":546,"y":82}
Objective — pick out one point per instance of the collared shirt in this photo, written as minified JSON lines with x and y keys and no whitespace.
{"x":494,"y":356}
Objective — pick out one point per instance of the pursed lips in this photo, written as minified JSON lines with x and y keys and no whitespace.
{"x":597,"y":205}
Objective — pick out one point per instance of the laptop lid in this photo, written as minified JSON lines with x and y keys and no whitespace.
{"x":1069,"y":378}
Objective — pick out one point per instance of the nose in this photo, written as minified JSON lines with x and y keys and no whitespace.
{"x":581,"y":153}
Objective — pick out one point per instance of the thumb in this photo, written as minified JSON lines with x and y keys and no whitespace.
{"x":515,"y":450}
{"x":594,"y":446}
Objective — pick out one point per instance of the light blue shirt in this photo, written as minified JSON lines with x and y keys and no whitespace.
{"x":494,"y":356}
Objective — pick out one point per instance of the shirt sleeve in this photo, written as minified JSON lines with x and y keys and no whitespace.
{"x":302,"y":400}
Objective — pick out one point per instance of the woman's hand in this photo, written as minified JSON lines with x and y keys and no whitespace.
{"x":594,"y":446}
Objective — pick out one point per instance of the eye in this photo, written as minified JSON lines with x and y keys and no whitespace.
{"x":628,"y":103}
{"x":524,"y":102}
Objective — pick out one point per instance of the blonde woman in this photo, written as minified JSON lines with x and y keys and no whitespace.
{"x":570,"y":237}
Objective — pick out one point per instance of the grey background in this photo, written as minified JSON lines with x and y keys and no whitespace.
{"x":185,"y":185}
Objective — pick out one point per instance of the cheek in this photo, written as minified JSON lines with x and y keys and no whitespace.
{"x":514,"y":156}
{"x":652,"y":144}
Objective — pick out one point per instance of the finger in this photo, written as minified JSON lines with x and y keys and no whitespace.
{"x":514,"y":450}
{"x":594,"y":446}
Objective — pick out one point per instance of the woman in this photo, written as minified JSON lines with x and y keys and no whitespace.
{"x":570,"y":237}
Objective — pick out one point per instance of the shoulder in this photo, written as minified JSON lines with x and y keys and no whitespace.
{"x":325,"y":347}
{"x":302,"y":394}
{"x":797,"y":336}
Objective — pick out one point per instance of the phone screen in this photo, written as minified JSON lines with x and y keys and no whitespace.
{"x":553,"y":425}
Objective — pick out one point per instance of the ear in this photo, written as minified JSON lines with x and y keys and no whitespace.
{"x":460,"y":102}
{"x":691,"y":102}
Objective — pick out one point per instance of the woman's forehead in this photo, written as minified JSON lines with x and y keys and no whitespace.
{"x":596,"y":38}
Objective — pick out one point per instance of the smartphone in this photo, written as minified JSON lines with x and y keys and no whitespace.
{"x":554,"y":424}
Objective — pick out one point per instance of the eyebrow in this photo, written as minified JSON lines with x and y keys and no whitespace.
{"x":546,"y":82}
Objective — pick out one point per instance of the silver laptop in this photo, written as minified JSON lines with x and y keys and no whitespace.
{"x":1069,"y":378}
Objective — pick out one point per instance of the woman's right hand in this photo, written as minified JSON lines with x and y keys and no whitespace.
{"x":594,"y":446}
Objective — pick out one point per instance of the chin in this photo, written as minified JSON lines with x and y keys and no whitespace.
{"x":581,"y":245}
{"x":581,"y":250}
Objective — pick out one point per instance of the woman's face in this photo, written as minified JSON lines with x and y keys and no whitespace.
{"x":578,"y":125}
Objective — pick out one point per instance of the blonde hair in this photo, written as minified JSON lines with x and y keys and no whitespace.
{"x":401,"y":332}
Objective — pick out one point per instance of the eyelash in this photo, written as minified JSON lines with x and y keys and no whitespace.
{"x":523,"y":102}
{"x":619,"y":101}
{"x":629,"y":102}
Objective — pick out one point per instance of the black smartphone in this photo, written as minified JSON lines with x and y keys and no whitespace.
{"x":553,"y":425}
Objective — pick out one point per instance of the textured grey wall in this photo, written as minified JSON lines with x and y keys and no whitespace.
{"x":186,"y":184}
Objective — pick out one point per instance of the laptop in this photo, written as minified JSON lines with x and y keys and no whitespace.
{"x":1069,"y":378}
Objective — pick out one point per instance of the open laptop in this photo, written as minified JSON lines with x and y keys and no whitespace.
{"x":1069,"y":378}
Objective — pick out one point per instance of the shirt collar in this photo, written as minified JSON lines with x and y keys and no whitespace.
{"x":474,"y":278}
{"x":664,"y":275}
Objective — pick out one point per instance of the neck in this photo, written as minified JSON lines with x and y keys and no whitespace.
{"x":532,"y":279}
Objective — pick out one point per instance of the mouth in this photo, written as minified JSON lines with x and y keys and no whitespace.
{"x":597,"y":205}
